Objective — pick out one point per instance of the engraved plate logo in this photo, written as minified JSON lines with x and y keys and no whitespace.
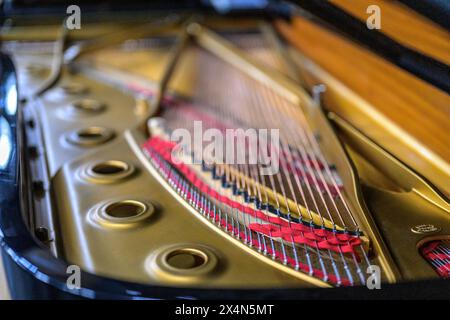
{"x":425,"y":228}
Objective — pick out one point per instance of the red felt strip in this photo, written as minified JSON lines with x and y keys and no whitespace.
{"x":439,"y":259}
{"x":277,"y":227}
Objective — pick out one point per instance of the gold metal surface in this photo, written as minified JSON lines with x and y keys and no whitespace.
{"x":159,"y":263}
{"x":398,"y":212}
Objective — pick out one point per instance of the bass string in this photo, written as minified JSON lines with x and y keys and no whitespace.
{"x":268,"y":112}
{"x":249,"y":103}
{"x":307,"y":136}
{"x":345,"y":266}
{"x":248,"y":114}
{"x":318,"y":196}
{"x":225,"y":111}
{"x":205,"y":87}
{"x":252,"y":102}
{"x":242,"y":169}
{"x":222,"y":108}
{"x":236,"y":99}
{"x":246,"y":111}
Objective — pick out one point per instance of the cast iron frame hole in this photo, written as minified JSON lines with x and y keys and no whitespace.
{"x":110,"y":167}
{"x":125,"y":209}
{"x":186,"y":259}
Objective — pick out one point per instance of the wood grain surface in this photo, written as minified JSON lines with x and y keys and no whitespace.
{"x":404,"y":26}
{"x":412,"y":108}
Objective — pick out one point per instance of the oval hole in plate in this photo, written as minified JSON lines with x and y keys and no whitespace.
{"x":186,"y":259}
{"x":125,"y":209}
{"x":111,"y":167}
{"x":90,"y":136}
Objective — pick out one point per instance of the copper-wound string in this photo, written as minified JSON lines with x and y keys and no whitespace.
{"x":275,"y":117}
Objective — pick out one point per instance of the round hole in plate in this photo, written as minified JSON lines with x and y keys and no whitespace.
{"x":108,"y":171}
{"x":189,"y":262}
{"x":90,"y":136}
{"x":122,"y":213}
{"x":88,"y":105}
{"x":125,"y":209}
{"x":186,"y":258}
{"x":111,"y":167}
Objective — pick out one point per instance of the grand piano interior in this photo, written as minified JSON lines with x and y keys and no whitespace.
{"x":225,"y":149}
